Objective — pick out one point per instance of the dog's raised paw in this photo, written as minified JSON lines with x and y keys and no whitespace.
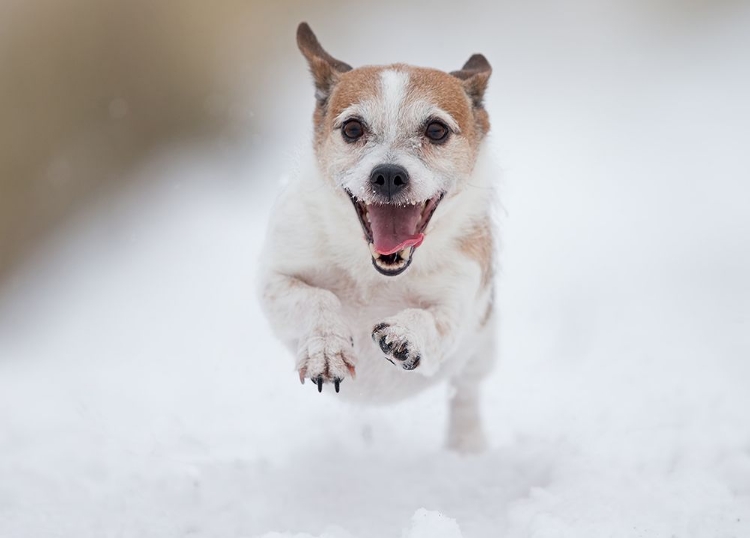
{"x":325,"y":358}
{"x":397,"y":344}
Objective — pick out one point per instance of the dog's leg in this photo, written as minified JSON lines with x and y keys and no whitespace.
{"x":465,"y":431}
{"x":310,"y":317}
{"x":420,"y":340}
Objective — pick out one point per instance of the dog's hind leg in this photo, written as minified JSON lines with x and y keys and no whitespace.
{"x":465,"y":430}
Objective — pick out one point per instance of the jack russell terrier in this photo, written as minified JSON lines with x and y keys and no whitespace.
{"x":379,"y":256}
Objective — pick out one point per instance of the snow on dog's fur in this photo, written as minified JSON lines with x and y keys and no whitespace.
{"x":378,"y":263}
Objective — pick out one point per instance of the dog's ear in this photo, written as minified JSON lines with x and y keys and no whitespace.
{"x":475,"y":74}
{"x":325,"y":68}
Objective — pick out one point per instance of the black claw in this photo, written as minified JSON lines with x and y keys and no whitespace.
{"x":320,"y":383}
{"x":389,"y":360}
{"x":337,"y":384}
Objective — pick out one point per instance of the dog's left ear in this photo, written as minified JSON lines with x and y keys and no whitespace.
{"x":325,"y":68}
{"x":475,"y":74}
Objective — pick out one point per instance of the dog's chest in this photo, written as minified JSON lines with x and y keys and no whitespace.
{"x":368,"y":299}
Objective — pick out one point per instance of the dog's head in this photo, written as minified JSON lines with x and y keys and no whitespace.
{"x":397,"y":139}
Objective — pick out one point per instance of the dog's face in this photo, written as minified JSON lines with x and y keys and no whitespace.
{"x":397,"y":140}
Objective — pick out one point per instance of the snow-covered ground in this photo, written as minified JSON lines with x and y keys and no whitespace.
{"x":142,"y":394}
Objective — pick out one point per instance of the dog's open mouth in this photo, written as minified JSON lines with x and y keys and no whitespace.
{"x":394,"y":231}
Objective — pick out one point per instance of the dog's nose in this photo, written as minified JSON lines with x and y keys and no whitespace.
{"x":389,"y":179}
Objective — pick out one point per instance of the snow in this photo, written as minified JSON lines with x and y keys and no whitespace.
{"x":142,"y":394}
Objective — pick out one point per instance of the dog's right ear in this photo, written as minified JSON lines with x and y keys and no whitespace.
{"x":325,"y":68}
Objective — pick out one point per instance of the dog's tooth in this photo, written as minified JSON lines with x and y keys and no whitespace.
{"x":373,"y":251}
{"x":404,"y":253}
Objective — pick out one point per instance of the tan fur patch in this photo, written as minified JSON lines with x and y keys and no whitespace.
{"x":353,"y":87}
{"x":443,"y":328}
{"x":477,"y":244}
{"x":448,"y":93}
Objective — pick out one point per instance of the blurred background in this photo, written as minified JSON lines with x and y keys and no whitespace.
{"x":89,"y":89}
{"x":141,"y":143}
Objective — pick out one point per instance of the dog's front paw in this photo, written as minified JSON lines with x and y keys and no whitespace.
{"x":398,"y":344}
{"x":326,"y":357}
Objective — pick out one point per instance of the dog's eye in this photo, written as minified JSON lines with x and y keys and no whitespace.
{"x":352,"y":130}
{"x":436,"y":132}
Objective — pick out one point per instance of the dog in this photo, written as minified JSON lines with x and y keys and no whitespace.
{"x":378,"y":265}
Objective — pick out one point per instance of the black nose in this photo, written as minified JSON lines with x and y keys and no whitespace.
{"x":389,"y":179}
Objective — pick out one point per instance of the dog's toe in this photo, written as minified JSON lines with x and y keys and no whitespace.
{"x":326,"y":358}
{"x":384,"y":345}
{"x":411,"y":363}
{"x":401,"y":353}
{"x":396,"y":344}
{"x":380,"y":327}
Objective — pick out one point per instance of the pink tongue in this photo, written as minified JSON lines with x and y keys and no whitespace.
{"x":394,"y":227}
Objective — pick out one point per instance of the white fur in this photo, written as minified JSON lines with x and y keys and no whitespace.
{"x":321,"y":292}
{"x":394,"y":85}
